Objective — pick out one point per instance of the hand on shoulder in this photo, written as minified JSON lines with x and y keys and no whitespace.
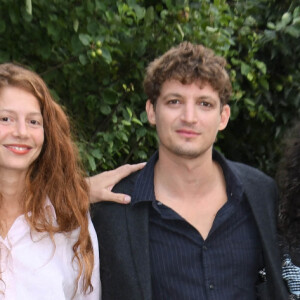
{"x":102,"y":184}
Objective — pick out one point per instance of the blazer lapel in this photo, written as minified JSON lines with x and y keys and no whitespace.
{"x":138,"y":229}
{"x":263,"y":204}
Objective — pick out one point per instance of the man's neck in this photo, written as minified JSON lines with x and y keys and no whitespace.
{"x":194,"y":188}
{"x":186,"y":177}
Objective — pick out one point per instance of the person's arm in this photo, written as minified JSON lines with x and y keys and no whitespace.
{"x":102,"y":184}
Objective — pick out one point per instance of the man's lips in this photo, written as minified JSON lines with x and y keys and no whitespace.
{"x":187,"y":132}
{"x":18,"y":149}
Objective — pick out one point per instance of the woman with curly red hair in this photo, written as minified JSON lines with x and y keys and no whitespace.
{"x":48,"y":246}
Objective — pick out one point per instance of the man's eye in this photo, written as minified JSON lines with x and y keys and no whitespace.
{"x":206,"y":104}
{"x":5,"y":119}
{"x":174,"y":101}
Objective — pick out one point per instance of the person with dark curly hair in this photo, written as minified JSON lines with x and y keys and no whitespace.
{"x":288,"y":177}
{"x":199,"y":226}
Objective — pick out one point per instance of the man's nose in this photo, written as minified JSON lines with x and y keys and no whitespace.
{"x":189,"y":114}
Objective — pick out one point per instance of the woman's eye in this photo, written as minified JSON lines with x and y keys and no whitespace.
{"x":35,"y":122}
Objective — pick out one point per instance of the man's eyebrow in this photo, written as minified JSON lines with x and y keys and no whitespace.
{"x":204,"y":97}
{"x":172,"y":95}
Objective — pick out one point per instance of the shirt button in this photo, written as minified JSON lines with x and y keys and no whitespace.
{"x":211,"y":287}
{"x":204,"y":248}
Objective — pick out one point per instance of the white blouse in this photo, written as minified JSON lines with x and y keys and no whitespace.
{"x":33,"y":268}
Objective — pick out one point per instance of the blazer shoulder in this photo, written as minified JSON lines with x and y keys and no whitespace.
{"x":250,"y":173}
{"x":126,"y":185}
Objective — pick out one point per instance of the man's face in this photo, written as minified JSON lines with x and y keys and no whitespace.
{"x":187,"y":118}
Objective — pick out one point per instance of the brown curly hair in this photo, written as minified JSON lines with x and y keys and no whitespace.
{"x":188,"y":63}
{"x":56,"y":173}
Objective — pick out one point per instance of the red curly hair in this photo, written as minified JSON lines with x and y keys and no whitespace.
{"x":56,"y":173}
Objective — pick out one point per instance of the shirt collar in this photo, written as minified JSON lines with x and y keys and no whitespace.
{"x":144,"y":184}
{"x":48,"y":206}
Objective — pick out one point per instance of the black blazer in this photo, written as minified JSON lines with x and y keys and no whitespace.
{"x":124,"y":244}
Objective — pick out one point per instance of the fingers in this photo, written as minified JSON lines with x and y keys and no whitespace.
{"x":102,"y":184}
{"x":113,"y":197}
{"x":125,"y":170}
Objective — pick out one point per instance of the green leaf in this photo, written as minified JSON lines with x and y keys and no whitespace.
{"x":293,"y":31}
{"x":83,"y":59}
{"x":211,"y":29}
{"x":250,"y":21}
{"x":139,"y":11}
{"x":105,"y":109}
{"x":180,"y":30}
{"x":271,"y":25}
{"x":28,"y":6}
{"x":269,"y":116}
{"x":126,"y":123}
{"x":106,"y":55}
{"x":92,"y":163}
{"x":296,"y":20}
{"x":143,"y":117}
{"x":250,"y":76}
{"x":264,"y":83}
{"x":141,"y":132}
{"x":110,"y":96}
{"x":286,"y":18}
{"x":245,"y":69}
{"x":249,"y":102}
{"x":123,"y":136}
{"x":142,"y":155}
{"x":129,"y":111}
{"x":96,"y":153}
{"x":85,"y":39}
{"x":261,"y":66}
{"x":149,"y":16}
{"x":2,"y":26}
{"x":135,"y":120}
{"x":75,"y":25}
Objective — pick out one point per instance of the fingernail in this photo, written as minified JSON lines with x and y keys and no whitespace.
{"x":127,"y":199}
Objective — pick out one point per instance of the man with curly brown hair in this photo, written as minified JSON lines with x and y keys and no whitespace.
{"x":198,"y":226}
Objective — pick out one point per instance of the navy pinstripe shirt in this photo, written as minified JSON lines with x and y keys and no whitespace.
{"x":186,"y":267}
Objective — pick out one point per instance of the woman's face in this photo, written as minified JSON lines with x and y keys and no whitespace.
{"x":21,"y":129}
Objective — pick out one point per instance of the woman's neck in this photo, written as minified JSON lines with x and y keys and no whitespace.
{"x":11,"y":203}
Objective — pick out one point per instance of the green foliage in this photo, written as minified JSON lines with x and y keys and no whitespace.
{"x":93,"y":56}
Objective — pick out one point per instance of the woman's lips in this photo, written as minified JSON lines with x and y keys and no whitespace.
{"x":18,"y":149}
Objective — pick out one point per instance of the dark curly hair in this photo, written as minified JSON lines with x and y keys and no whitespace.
{"x":288,"y":177}
{"x":188,"y":63}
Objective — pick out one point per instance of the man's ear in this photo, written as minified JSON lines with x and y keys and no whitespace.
{"x":150,"y":112}
{"x":225,"y":115}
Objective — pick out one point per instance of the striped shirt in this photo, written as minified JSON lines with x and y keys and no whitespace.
{"x":186,"y":267}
